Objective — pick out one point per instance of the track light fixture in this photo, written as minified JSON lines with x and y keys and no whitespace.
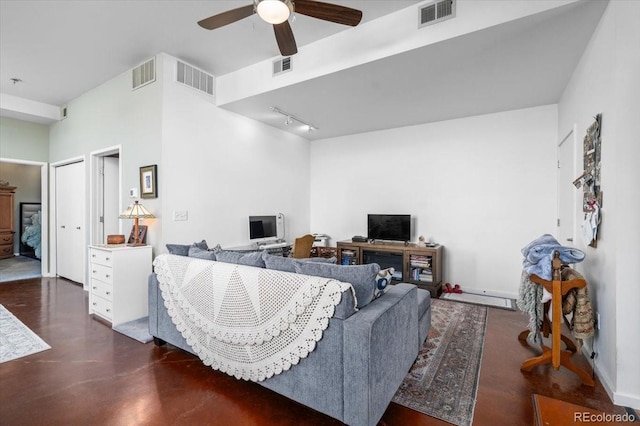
{"x":292,"y":118}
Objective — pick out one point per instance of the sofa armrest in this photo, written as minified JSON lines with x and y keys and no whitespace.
{"x":380,"y":345}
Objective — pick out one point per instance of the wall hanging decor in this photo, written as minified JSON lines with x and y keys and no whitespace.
{"x":149,"y":181}
{"x":589,"y":180}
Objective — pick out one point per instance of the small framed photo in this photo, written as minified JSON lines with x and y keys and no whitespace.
{"x":142,"y":235}
{"x":149,"y":181}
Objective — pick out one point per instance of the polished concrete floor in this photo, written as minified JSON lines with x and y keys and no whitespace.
{"x":95,"y":376}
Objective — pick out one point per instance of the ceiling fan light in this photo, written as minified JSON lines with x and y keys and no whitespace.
{"x":274,"y":11}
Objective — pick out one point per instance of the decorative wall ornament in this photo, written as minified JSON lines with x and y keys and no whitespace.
{"x":589,"y":180}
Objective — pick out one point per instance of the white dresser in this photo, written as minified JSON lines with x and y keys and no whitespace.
{"x":118,"y":288}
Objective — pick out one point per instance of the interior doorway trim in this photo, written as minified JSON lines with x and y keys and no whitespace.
{"x":52,"y":209}
{"x":95,"y":157}
{"x":44,"y":202}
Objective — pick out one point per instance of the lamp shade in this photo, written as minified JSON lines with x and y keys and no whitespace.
{"x":137,"y":211}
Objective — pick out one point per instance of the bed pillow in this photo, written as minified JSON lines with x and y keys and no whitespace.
{"x":178,"y":249}
{"x":198,"y":253}
{"x":361,"y":277}
{"x":240,"y":258}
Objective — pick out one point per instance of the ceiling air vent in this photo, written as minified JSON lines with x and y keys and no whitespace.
{"x":144,"y":74}
{"x":436,"y":12}
{"x":195,"y":78}
{"x":282,"y":65}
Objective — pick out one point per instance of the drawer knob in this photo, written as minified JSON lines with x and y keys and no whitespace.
{"x":108,"y":259}
{"x":108,"y":310}
{"x":107,"y":275}
{"x":93,"y":255}
{"x":94,"y":271}
{"x":95,"y":288}
{"x":94,"y":304}
{"x":108,"y":293}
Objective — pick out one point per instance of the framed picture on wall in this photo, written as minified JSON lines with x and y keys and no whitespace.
{"x":149,"y":181}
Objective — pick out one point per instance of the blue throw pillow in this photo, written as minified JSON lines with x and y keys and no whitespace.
{"x":361,"y":277}
{"x":178,"y":249}
{"x":198,"y":253}
{"x":249,"y":259}
{"x":288,"y":264}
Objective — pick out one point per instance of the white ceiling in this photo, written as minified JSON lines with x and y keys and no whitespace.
{"x":61,"y":49}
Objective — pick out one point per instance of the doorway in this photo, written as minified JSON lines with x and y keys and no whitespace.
{"x":106,"y":195}
{"x":566,"y":190}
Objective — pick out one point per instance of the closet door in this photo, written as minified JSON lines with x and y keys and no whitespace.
{"x":70,"y":211}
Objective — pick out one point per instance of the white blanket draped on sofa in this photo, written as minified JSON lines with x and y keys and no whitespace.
{"x":248,"y":322}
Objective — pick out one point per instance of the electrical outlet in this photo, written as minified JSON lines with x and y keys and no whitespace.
{"x":598,"y":320}
{"x":180,"y":215}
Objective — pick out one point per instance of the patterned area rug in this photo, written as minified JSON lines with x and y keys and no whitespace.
{"x":16,"y":339}
{"x":444,"y":379}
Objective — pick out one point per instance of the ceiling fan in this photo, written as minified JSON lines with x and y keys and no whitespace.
{"x":277,"y":12}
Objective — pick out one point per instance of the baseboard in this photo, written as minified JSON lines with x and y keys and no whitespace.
{"x":492,"y":293}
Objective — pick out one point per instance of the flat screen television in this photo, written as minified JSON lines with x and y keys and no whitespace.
{"x":263,"y":227}
{"x":393,"y":227}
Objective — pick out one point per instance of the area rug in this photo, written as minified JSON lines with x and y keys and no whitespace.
{"x":19,"y":268}
{"x":443,"y":381}
{"x":481,"y":299}
{"x":16,"y":339}
{"x":137,"y":330}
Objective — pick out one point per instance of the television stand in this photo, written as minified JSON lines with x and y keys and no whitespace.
{"x":419,"y":265}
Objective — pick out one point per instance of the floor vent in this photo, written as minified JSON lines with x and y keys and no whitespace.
{"x":436,"y":12}
{"x":144,"y":74}
{"x":195,"y":78}
{"x":282,"y":65}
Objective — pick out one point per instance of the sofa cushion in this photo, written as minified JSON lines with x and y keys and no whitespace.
{"x":249,"y":259}
{"x":383,"y":281}
{"x":198,"y":253}
{"x":361,"y":277}
{"x":178,"y":249}
{"x":287,"y":264}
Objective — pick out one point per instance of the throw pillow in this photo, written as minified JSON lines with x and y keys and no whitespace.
{"x":383,"y":279}
{"x":178,"y":249}
{"x":288,"y":264}
{"x":361,"y":277}
{"x":249,"y":259}
{"x":201,"y":245}
{"x":201,"y":254}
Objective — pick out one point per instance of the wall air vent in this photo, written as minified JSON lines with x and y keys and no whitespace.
{"x":282,"y":65}
{"x":195,"y":78}
{"x":144,"y":74}
{"x":435,"y":12}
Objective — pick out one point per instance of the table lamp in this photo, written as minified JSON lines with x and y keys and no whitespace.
{"x":136,"y":212}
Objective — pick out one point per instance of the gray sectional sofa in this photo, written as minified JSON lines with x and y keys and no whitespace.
{"x":356,"y":368}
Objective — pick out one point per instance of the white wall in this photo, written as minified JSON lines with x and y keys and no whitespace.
{"x":21,"y":140}
{"x":222,"y":167}
{"x":482,"y":186}
{"x":606,"y":81}
{"x":109,"y":115}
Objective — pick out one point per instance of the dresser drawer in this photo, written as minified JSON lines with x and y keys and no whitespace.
{"x":101,"y":273}
{"x":6,"y":239}
{"x":6,"y":250}
{"x":101,"y":257}
{"x":102,"y":289}
{"x":102,"y":307}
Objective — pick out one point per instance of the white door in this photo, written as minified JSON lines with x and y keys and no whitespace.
{"x":566,"y":190}
{"x":70,"y":211}
{"x":110,"y":197}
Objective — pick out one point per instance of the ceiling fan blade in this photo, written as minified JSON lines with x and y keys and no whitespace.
{"x":225,"y":18}
{"x":286,"y":40}
{"x":328,"y":12}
